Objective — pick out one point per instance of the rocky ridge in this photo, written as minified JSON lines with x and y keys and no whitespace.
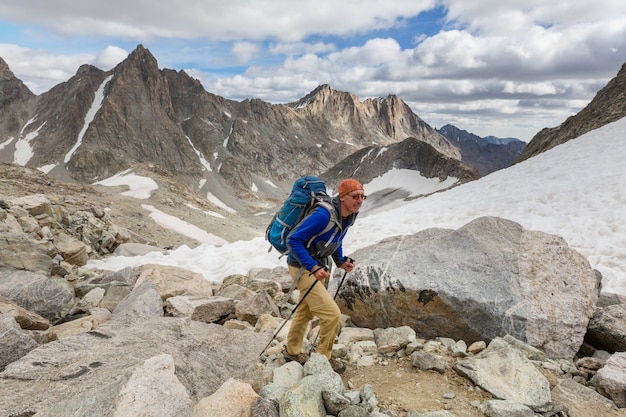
{"x":485,"y":154}
{"x":100,"y":123}
{"x":411,"y":153}
{"x":16,"y":100}
{"x":165,"y":340}
{"x":608,"y":105}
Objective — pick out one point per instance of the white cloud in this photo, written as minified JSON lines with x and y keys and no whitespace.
{"x":39,"y":69}
{"x":300,"y":48}
{"x":373,"y":52}
{"x":109,"y":57}
{"x":537,"y":88}
{"x":245,"y":51}
{"x":284,"y":20}
{"x":552,"y":54}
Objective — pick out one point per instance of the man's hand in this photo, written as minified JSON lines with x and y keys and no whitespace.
{"x":348,"y":265}
{"x":320,"y":273}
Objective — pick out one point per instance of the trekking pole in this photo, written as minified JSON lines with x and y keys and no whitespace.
{"x":342,"y":278}
{"x":291,"y":314}
{"x":340,"y":282}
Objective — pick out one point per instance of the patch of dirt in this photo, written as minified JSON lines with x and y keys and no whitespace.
{"x":401,"y":387}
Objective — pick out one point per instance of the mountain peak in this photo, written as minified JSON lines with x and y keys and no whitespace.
{"x":11,"y":88}
{"x":323,"y":94}
{"x":322,"y":88}
{"x":485,"y":154}
{"x":87,"y":69}
{"x":140,"y":59}
{"x":140,"y":52}
{"x":5,"y":71}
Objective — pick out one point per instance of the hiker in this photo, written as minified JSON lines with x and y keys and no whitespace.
{"x":312,"y":263}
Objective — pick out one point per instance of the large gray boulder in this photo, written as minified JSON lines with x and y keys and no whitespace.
{"x":607,"y":328}
{"x":583,"y":401}
{"x":487,"y":279}
{"x":612,"y":378}
{"x":50,"y":297}
{"x":18,"y":251}
{"x":172,"y":281}
{"x":154,"y":390}
{"x":508,"y":375}
{"x":14,"y":342}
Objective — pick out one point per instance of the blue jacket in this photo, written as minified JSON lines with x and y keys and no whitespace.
{"x":310,"y":253}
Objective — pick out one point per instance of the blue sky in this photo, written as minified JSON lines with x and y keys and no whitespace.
{"x":490,"y":67}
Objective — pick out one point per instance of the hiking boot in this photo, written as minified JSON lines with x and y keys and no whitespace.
{"x":338,"y":366}
{"x":301,"y":358}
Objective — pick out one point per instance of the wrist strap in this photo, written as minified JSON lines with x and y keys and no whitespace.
{"x":316,"y":269}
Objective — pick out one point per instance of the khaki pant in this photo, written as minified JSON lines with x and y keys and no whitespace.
{"x":317,"y":303}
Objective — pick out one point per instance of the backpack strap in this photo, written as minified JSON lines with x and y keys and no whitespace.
{"x":332,"y":222}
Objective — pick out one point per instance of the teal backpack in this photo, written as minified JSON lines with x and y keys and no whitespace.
{"x":307,"y":193}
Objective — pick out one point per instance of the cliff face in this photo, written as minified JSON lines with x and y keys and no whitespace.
{"x":370,"y":122}
{"x":485,"y":154}
{"x":101,"y":123}
{"x":607,"y":106}
{"x":16,"y":101}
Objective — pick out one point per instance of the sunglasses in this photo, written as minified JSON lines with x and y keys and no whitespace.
{"x":358,"y":196}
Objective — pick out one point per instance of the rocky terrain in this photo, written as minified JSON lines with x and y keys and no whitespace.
{"x":392,"y":370}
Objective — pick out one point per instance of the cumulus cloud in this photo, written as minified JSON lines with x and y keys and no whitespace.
{"x":285,"y":20}
{"x":109,"y":57}
{"x":39,"y":69}
{"x":299,"y":48}
{"x":245,"y":51}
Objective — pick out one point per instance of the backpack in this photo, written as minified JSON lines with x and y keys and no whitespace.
{"x":307,"y":193}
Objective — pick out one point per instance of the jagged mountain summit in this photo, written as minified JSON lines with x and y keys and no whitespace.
{"x":486,"y":154}
{"x":397,"y":119}
{"x":100,"y":123}
{"x":15,"y":99}
{"x":608,"y":105}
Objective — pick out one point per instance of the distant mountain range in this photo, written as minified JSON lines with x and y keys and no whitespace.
{"x":246,"y":154}
{"x":99,"y":123}
{"x":486,"y":154}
